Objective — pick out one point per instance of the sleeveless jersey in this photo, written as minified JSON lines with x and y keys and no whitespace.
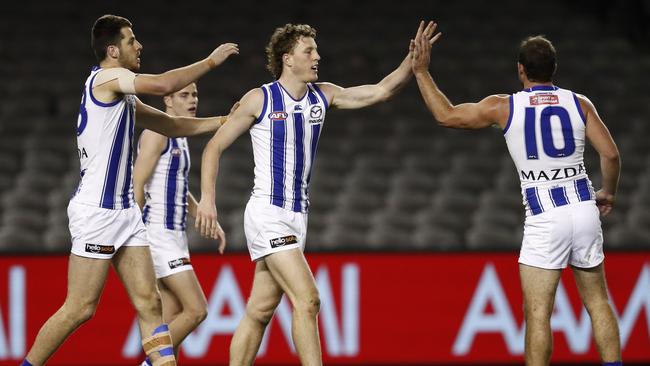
{"x":545,"y":134}
{"x":104,"y":144}
{"x":285,"y":138}
{"x":166,"y":190}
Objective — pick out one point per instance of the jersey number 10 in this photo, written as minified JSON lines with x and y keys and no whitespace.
{"x":530,"y":132}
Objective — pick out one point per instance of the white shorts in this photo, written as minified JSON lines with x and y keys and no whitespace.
{"x":99,"y":232}
{"x":169,"y":250}
{"x":270,"y":229}
{"x":564,"y":235}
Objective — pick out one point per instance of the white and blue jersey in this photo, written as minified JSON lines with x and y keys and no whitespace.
{"x":104,"y":143}
{"x":546,"y":139}
{"x":166,"y":190}
{"x":285,"y":138}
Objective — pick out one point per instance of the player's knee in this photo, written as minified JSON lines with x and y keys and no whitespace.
{"x":597,"y":306}
{"x":149,"y":303}
{"x":197,"y":313}
{"x":309,"y":303}
{"x":537,"y":312}
{"x":260,"y":313}
{"x":80,"y":312}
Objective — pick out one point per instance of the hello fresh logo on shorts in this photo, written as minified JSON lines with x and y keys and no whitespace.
{"x":99,"y":249}
{"x":285,"y":240}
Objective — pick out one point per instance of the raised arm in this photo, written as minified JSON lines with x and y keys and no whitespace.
{"x":173,"y":126}
{"x":239,"y":122}
{"x":113,"y":82}
{"x":494,"y":109}
{"x":174,"y":80}
{"x":151,"y":146}
{"x":366,"y":95}
{"x":610,"y":161}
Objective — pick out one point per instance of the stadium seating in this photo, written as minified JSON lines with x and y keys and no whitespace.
{"x":385,"y":178}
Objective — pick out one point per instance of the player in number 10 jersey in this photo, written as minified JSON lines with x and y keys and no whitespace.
{"x":545,"y":128}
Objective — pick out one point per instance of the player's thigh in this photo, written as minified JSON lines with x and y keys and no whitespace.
{"x":134,"y":266}
{"x":86,"y":279}
{"x":290,"y":270}
{"x":538,"y":286}
{"x":185,"y":287}
{"x":591,"y":284}
{"x":266,"y":292}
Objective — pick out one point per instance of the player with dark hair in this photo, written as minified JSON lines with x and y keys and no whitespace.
{"x":105,"y":223}
{"x":545,"y":128}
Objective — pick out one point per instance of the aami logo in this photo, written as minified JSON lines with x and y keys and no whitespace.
{"x":100,"y":249}
{"x":278,"y":116}
{"x":285,"y":240}
{"x":178,"y":262}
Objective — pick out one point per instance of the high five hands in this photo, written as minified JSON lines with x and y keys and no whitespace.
{"x":420,"y":47}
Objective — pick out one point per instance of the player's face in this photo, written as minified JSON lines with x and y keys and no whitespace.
{"x":184,"y":102}
{"x":304,"y":59}
{"x":130,"y":50}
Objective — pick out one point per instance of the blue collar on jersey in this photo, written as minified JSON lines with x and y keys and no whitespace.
{"x":541,"y":87}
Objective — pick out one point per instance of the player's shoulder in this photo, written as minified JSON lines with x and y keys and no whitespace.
{"x":496,"y":101}
{"x":151,"y":140}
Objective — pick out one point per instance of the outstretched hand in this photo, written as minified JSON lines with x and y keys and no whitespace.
{"x":221,"y":53}
{"x":420,"y":47}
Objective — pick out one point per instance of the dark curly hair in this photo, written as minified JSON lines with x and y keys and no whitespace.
{"x":283,"y":41}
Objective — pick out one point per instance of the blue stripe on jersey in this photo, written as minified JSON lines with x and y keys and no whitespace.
{"x":582,"y":115}
{"x":530,"y":135}
{"x":315,"y":134}
{"x":542,"y":88}
{"x":300,"y":161}
{"x":582,"y":189}
{"x":186,"y":169}
{"x":322,"y":96}
{"x":558,"y":196}
{"x":170,"y":197}
{"x":126,"y":202}
{"x":533,"y":201}
{"x":266,"y":96}
{"x":113,"y":168}
{"x":166,"y":147}
{"x":92,"y":97}
{"x":278,"y":137}
{"x":145,"y":214}
{"x":313,"y":99}
{"x":512,"y":103}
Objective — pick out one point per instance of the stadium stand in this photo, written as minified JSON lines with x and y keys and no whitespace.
{"x":385,"y":178}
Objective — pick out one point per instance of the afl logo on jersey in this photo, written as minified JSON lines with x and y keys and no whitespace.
{"x":176,"y":152}
{"x":278,"y":116}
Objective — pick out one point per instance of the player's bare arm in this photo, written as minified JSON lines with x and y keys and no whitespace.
{"x":192,"y":203}
{"x":174,"y":126}
{"x":239,"y":122}
{"x":114,"y":82}
{"x":366,"y":95}
{"x":610,"y":162}
{"x":492,"y":110}
{"x":152,"y":145}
